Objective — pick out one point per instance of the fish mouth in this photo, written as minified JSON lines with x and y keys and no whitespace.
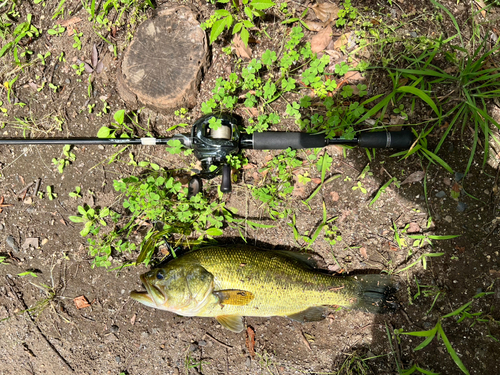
{"x":152,"y":297}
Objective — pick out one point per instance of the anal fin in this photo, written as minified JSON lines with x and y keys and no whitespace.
{"x":231,"y":322}
{"x":311,"y":314}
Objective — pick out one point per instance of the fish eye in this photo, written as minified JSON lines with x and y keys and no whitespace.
{"x":160,"y":275}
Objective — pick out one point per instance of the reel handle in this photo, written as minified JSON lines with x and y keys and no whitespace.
{"x":225,"y":186}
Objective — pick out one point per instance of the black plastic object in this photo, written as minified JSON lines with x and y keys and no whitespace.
{"x":403,"y":139}
{"x":225,"y":185}
{"x":195,"y":186}
{"x":284,"y":140}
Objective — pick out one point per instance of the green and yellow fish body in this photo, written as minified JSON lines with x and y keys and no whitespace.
{"x":229,"y":283}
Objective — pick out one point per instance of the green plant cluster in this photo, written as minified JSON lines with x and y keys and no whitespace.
{"x":240,"y":21}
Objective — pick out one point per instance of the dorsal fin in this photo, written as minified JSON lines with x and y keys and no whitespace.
{"x":231,"y":322}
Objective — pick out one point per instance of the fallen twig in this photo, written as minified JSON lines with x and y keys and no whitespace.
{"x":217,"y":341}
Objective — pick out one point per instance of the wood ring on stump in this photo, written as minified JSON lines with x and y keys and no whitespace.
{"x":163,"y":66}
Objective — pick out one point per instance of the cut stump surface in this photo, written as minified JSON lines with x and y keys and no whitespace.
{"x":163,"y":66}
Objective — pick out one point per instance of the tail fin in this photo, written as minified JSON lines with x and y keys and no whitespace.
{"x":375,"y":293}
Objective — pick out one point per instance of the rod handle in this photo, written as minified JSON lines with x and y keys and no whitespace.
{"x":402,"y":139}
{"x":284,"y":140}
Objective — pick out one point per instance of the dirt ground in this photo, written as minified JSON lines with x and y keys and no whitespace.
{"x":118,"y":335}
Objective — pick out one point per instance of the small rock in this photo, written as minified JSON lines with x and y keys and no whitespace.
{"x":202,"y":343}
{"x":248,"y":362}
{"x":1,"y":226}
{"x":11,"y":242}
{"x":114,"y":328}
{"x":193,"y":347}
{"x":67,"y":80}
{"x":448,"y":219}
{"x":118,"y":359}
{"x":461,"y":207}
{"x":458,"y":176}
{"x":441,"y":194}
{"x":413,"y":34}
{"x":145,"y":335}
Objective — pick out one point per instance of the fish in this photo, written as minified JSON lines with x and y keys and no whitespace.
{"x":229,"y":283}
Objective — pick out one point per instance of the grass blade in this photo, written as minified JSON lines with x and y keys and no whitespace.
{"x":450,"y":349}
{"x":422,"y":95}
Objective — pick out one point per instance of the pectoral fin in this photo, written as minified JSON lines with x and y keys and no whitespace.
{"x":234,"y":297}
{"x":312,"y":314}
{"x":231,"y":322}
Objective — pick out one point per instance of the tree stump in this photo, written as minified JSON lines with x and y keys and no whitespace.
{"x":163,"y":66}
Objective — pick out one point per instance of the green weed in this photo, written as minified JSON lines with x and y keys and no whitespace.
{"x":240,"y":21}
{"x":462,"y":312}
{"x":67,"y":158}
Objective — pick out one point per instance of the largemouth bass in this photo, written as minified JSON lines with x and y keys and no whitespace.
{"x":233,"y":282}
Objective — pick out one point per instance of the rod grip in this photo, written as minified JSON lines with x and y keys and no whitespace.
{"x":402,"y":139}
{"x":283,"y":140}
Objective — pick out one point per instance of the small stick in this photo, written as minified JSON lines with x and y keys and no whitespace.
{"x":25,"y":189}
{"x":217,"y":341}
{"x":37,"y":186}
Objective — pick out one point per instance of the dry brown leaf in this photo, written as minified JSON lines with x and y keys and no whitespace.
{"x":81,"y":302}
{"x":245,"y":52}
{"x":354,"y":76}
{"x":321,"y":40}
{"x":250,"y":341}
{"x":252,"y":111}
{"x":481,"y":5}
{"x":414,"y":177}
{"x":314,"y":25}
{"x":70,"y":22}
{"x":342,"y":41}
{"x":326,"y":12}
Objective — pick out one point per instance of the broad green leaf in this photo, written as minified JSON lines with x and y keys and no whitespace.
{"x":214,"y":232}
{"x":262,"y":4}
{"x":119,"y":116}
{"x":217,"y":29}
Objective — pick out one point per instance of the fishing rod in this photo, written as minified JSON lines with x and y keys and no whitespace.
{"x":212,"y":146}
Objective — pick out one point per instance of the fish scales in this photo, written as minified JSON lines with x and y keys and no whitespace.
{"x":281,"y":286}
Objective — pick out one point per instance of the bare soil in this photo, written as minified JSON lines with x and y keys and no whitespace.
{"x":115,"y":334}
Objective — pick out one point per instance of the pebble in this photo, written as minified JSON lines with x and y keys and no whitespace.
{"x":193,"y":347}
{"x":114,"y":328}
{"x":202,"y":343}
{"x":448,"y":218}
{"x":145,"y":335}
{"x":441,"y":194}
{"x":458,"y":176}
{"x":1,"y":226}
{"x":118,"y":359}
{"x":461,"y":207}
{"x":248,"y":362}
{"x":11,"y":242}
{"x":67,"y":80}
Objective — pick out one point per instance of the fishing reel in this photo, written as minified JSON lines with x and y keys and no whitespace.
{"x":211,"y":146}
